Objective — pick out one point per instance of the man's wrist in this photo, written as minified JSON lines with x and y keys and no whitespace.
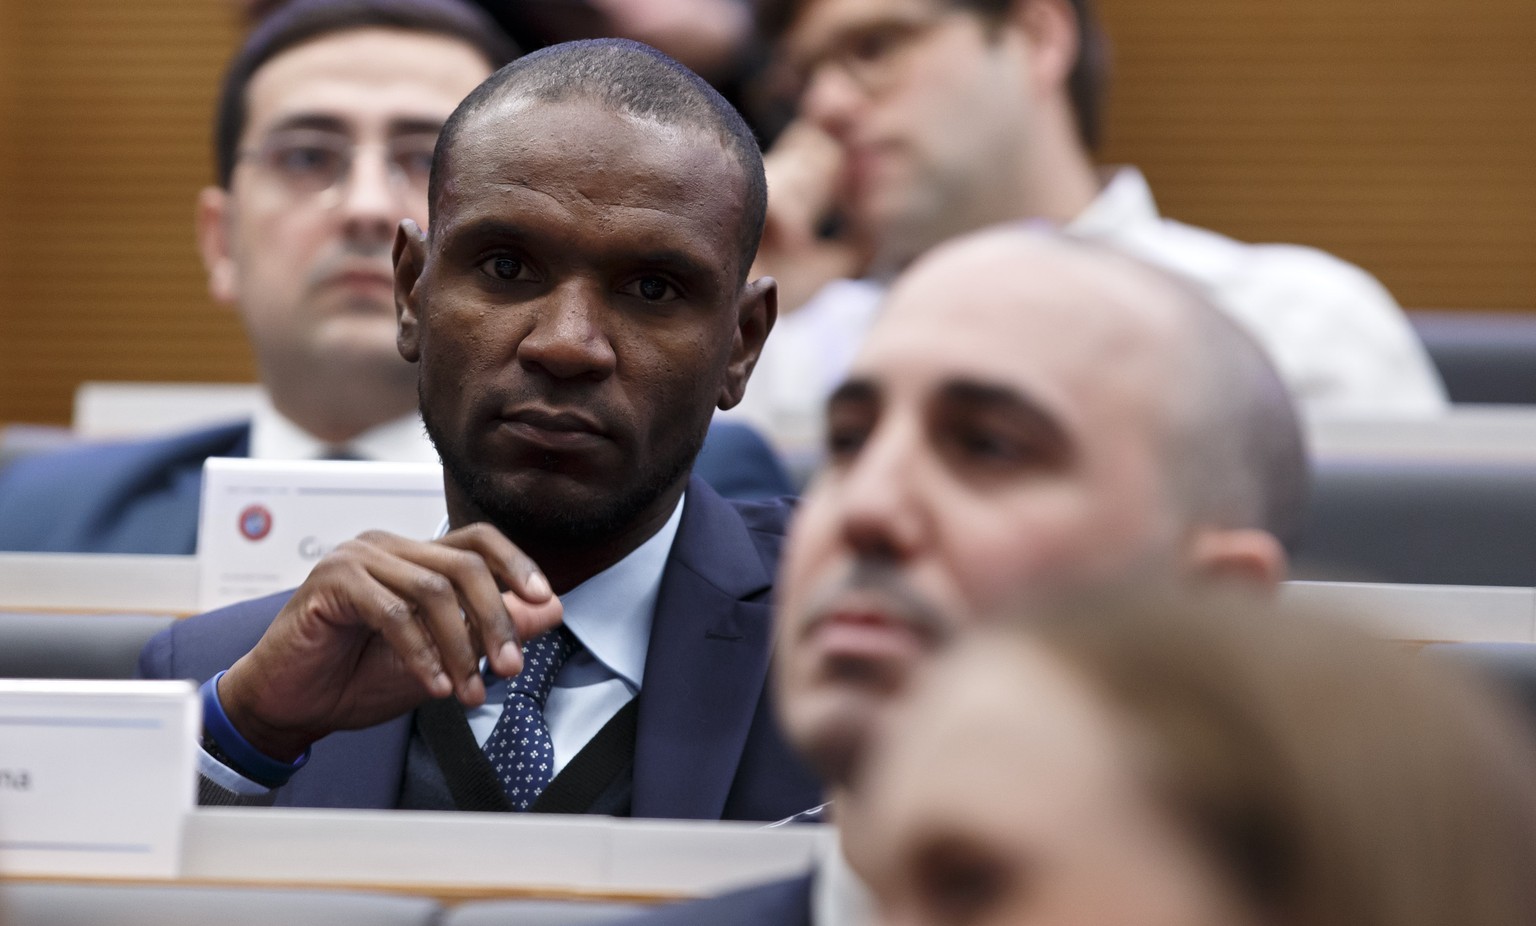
{"x":229,"y":746}
{"x":235,"y":699}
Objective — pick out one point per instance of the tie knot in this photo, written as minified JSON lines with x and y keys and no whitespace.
{"x":542,"y":658}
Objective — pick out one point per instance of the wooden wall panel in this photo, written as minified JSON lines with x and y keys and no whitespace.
{"x":1398,"y":133}
{"x":109,"y":133}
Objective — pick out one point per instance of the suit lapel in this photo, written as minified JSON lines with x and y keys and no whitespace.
{"x":704,"y":671}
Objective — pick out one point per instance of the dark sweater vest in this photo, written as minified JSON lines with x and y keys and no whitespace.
{"x":599,"y":779}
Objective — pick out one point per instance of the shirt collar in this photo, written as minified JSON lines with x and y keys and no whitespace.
{"x":1125,"y":200}
{"x":274,"y":437}
{"x":838,"y":897}
{"x":611,"y":612}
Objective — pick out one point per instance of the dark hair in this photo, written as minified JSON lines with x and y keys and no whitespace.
{"x":626,"y":77}
{"x":1086,"y":83}
{"x":303,"y":20}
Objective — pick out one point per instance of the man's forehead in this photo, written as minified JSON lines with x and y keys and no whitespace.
{"x":366,"y":74}
{"x":528,"y":142}
{"x":817,"y":22}
{"x":1022,"y":319}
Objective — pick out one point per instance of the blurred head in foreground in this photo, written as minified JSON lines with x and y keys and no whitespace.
{"x":1196,"y":764}
{"x":1031,"y":416}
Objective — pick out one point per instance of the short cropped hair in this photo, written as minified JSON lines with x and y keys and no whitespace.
{"x":626,"y":77}
{"x":1234,"y":449}
{"x":1086,"y":84}
{"x":304,"y":20}
{"x":1238,"y":456}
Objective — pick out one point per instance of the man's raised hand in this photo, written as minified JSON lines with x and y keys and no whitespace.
{"x":381,"y":624}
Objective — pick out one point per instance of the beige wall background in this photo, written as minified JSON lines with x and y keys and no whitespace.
{"x":1400,"y":134}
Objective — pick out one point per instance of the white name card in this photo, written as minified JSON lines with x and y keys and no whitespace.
{"x":96,"y":778}
{"x":265,"y":523}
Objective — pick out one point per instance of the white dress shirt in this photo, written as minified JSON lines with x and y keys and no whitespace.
{"x":611,"y":614}
{"x":274,"y":437}
{"x":1339,"y":340}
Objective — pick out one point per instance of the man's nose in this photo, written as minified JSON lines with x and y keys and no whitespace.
{"x":832,"y":100}
{"x":882,"y":495}
{"x":371,"y":201}
{"x":567,"y":339}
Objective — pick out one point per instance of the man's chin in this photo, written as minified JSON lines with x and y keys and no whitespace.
{"x":833,"y":731}
{"x":362,"y":345}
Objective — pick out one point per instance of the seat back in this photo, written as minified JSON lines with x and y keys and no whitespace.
{"x":74,"y":645}
{"x":1433,"y":522}
{"x":1486,"y":357}
{"x":25,"y":904}
{"x":540,"y":913}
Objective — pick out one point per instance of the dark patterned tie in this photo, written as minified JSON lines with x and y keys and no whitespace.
{"x":519,"y":747}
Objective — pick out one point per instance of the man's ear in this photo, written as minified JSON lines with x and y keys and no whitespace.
{"x":1049,"y":28}
{"x":410,"y":256}
{"x":212,"y":220}
{"x":1245,"y":557}
{"x":756,"y":310}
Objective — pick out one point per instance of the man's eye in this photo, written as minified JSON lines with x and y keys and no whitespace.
{"x":415,"y":165}
{"x":871,"y":46}
{"x":652,"y":289}
{"x":844,"y":442}
{"x":986,"y":445}
{"x":503,"y":267}
{"x":876,"y":44}
{"x":300,"y":160}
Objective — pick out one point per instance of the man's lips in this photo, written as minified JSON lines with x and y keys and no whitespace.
{"x":869,"y":632}
{"x":552,"y":430}
{"x":370,"y":280}
{"x":863,"y":161}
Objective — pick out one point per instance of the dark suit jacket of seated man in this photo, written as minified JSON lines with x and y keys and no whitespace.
{"x":706,"y":742}
{"x":575,"y":322}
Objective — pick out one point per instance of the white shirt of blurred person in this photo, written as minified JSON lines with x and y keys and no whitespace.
{"x":1195,"y":763}
{"x":336,"y":149}
{"x":924,"y":119}
{"x":1031,"y":416}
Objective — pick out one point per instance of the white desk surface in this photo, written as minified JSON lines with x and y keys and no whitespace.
{"x":1487,"y":433}
{"x":1428,"y":613}
{"x":447,"y":854}
{"x":93,"y":582}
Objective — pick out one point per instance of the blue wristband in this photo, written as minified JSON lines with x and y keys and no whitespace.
{"x":234,"y":751}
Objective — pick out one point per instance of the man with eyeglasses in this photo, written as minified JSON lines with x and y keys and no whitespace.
{"x":324,"y":139}
{"x":925,"y":119}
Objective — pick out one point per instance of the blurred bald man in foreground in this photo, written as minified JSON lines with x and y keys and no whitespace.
{"x":1032,"y":417}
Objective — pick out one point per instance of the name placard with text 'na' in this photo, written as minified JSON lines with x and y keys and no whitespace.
{"x":96,"y":777}
{"x":265,"y":523}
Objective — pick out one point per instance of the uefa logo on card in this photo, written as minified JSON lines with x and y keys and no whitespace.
{"x":255,"y":522}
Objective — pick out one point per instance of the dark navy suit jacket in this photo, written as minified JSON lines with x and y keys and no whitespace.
{"x":143,"y":496}
{"x":778,"y":903}
{"x":706,"y":747}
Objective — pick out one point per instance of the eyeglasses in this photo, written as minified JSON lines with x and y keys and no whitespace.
{"x":870,"y":55}
{"x":308,"y":162}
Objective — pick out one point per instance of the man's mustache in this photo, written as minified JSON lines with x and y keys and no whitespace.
{"x":349,"y":257}
{"x":881,"y":583}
